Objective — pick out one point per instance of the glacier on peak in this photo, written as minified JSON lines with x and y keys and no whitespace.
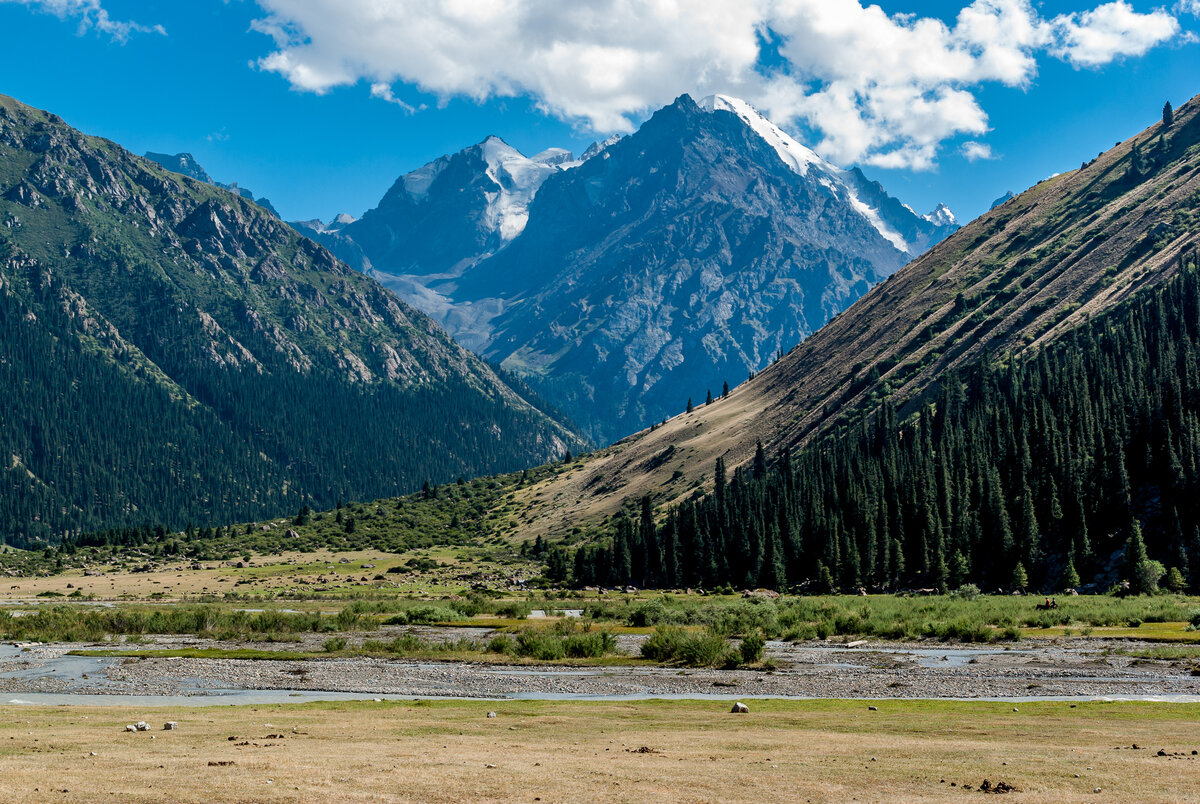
{"x":516,"y":178}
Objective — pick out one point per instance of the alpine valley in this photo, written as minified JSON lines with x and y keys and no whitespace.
{"x":657,"y":266}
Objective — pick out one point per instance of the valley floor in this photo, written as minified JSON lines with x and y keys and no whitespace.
{"x":450,"y":751}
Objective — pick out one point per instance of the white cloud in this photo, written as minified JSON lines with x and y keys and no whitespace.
{"x":1188,"y":7}
{"x":1096,"y":37}
{"x":972,"y":151}
{"x":886,"y":90}
{"x":384,"y":92}
{"x":90,"y":15}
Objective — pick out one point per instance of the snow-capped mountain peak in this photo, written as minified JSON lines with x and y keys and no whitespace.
{"x":794,"y":155}
{"x":800,"y":159}
{"x":864,"y":197}
{"x":941,"y":216}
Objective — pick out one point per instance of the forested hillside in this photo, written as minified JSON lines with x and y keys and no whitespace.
{"x":1017,"y":278}
{"x":172,"y":353}
{"x":1077,"y":465}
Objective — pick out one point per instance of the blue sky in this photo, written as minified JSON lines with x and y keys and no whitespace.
{"x":277,"y":94}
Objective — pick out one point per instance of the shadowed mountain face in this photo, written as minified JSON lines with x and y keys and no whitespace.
{"x":174,"y":353}
{"x":660,"y":266}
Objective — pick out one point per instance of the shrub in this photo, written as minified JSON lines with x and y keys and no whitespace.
{"x":968,"y":591}
{"x":540,"y":645}
{"x":664,"y":644}
{"x":752,"y":648}
{"x":591,"y":645}
{"x":650,"y":613}
{"x":335,"y":644}
{"x":704,"y":650}
{"x":514,"y":610}
{"x":671,"y":643}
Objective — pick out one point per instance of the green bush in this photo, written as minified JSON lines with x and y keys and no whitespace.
{"x":672,"y":644}
{"x":540,"y":645}
{"x":752,"y":648}
{"x":335,"y":644}
{"x":513,"y":610}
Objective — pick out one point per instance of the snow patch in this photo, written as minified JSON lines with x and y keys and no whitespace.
{"x":941,"y":216}
{"x":597,"y":147}
{"x":873,"y":218}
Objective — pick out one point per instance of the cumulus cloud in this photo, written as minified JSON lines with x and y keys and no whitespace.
{"x":882,"y":89}
{"x":1093,"y":38}
{"x":91,"y":16}
{"x":1188,"y":7}
{"x":972,"y":151}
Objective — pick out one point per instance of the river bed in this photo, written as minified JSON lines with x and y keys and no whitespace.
{"x":1068,"y":669}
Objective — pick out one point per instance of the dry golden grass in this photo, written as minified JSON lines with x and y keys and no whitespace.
{"x":277,"y":572}
{"x":445,"y":751}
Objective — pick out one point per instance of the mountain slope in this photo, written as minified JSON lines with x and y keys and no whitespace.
{"x":1015,"y":279}
{"x":172,"y":353}
{"x":187,"y":165}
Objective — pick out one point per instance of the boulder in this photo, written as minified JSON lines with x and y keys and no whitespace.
{"x":170,"y":725}
{"x":739,"y":708}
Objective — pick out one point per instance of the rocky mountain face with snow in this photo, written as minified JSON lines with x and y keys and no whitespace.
{"x":653,"y":269}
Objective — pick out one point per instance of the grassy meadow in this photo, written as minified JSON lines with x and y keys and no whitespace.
{"x":450,"y":751}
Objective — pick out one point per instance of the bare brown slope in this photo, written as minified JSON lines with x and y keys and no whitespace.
{"x":1015,"y":278}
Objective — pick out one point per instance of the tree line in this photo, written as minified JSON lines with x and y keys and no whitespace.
{"x":1077,"y":466}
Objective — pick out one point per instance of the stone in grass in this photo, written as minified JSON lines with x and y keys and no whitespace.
{"x":131,"y":727}
{"x":142,"y":726}
{"x":170,"y":725}
{"x":491,"y":714}
{"x":739,"y":708}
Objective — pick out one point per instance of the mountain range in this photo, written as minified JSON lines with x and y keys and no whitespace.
{"x":174,"y":353}
{"x":656,"y":267}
